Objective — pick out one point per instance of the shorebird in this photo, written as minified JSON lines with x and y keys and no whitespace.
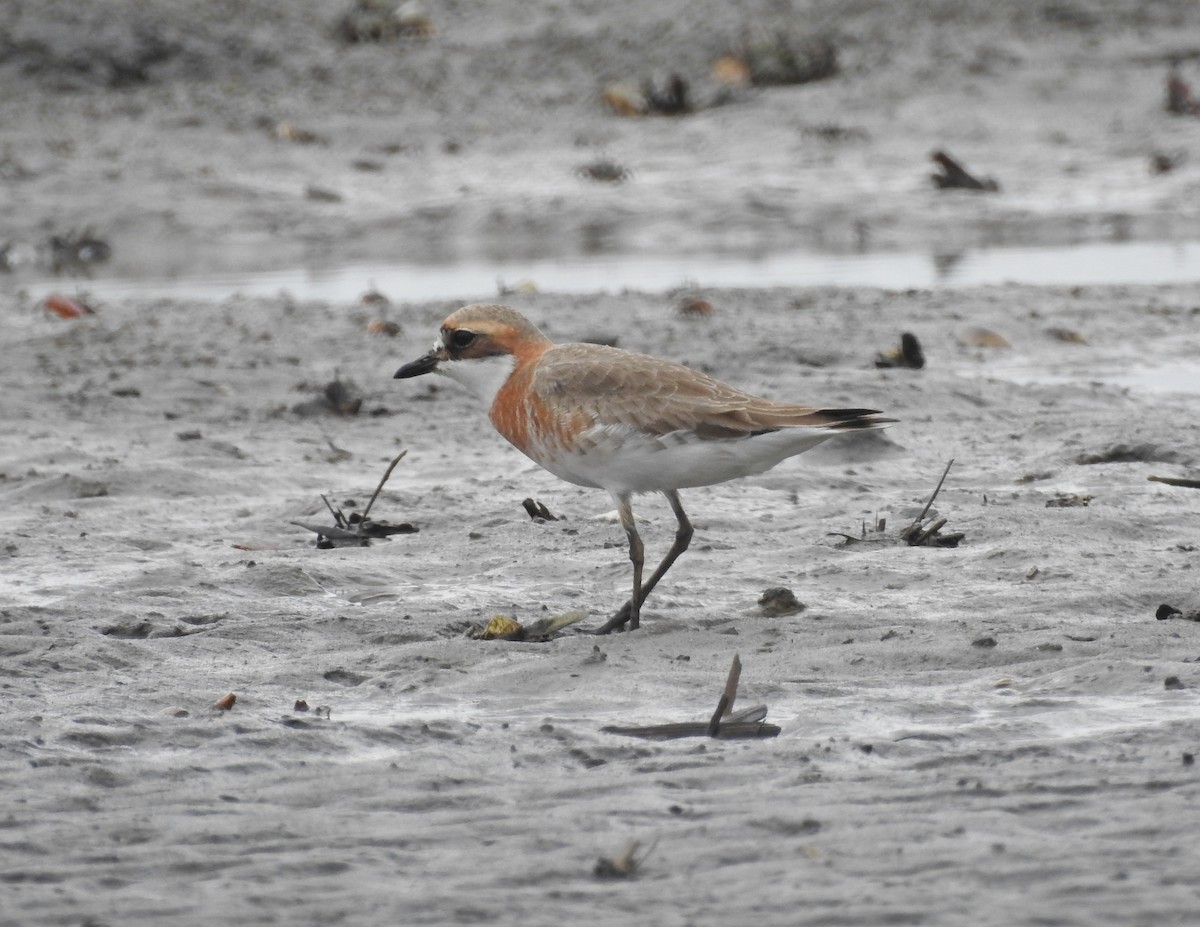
{"x":630,"y":423}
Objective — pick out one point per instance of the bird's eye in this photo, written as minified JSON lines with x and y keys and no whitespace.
{"x":461,"y":338}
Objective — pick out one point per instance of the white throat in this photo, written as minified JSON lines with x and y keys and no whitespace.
{"x":482,"y":376}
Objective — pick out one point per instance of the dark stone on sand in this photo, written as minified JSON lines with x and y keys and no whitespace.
{"x":1128,"y":453}
{"x":779,"y":601}
{"x":344,"y":677}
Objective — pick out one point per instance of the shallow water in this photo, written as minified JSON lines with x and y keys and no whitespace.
{"x":1175,"y":376}
{"x":1097,"y":263}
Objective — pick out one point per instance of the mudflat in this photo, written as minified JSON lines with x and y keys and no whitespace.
{"x":999,"y":732}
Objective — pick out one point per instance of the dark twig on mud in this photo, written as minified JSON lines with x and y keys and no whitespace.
{"x":924,"y":536}
{"x":537,"y":510}
{"x":358,"y":529}
{"x":1175,"y":481}
{"x":725,"y":703}
{"x":908,"y":532}
{"x":918,"y":534}
{"x":338,"y":518}
{"x":332,"y":532}
{"x":730,"y":730}
{"x":908,"y":354}
{"x":954,"y":176}
{"x":626,"y":865}
{"x":378,"y":489}
{"x":725,"y":724}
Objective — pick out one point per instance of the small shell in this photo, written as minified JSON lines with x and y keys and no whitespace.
{"x":978,"y":337}
{"x":286,"y":132}
{"x":1065,"y":334}
{"x":383,"y":327}
{"x":625,"y":99}
{"x":67,"y":308}
{"x":604,"y":171}
{"x":500,"y":627}
{"x":695,"y":308}
{"x":731,"y":71}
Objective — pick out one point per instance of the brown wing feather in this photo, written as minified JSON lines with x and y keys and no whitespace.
{"x":659,"y":396}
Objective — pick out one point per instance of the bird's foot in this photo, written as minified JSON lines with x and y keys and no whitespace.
{"x":618,"y":621}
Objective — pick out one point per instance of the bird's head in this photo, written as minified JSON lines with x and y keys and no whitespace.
{"x":479,"y":346}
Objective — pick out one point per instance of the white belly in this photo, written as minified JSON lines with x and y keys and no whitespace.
{"x":618,"y":458}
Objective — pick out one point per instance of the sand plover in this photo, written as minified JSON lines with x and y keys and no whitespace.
{"x":610,"y":419}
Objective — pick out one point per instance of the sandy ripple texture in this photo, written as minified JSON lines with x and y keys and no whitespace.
{"x":998,"y":733}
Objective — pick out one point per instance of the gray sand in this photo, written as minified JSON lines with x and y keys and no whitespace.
{"x":980,"y":735}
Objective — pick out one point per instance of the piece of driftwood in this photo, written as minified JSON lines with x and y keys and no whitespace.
{"x":386,"y":476}
{"x":333,"y":533}
{"x":357,"y":529}
{"x":625,"y":865}
{"x":725,"y":702}
{"x":724,"y":724}
{"x":1175,"y":481}
{"x":536,"y":510}
{"x":954,"y":176}
{"x":908,"y":354}
{"x":919,"y":534}
{"x":729,"y":730}
{"x":936,"y":490}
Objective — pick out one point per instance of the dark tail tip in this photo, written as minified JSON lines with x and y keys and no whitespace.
{"x":855,"y":419}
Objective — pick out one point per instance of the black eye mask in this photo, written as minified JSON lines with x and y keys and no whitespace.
{"x":461,"y":338}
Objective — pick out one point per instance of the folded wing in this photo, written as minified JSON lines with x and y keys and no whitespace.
{"x":659,"y":397}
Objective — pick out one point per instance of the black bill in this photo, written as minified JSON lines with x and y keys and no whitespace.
{"x":417,"y":368}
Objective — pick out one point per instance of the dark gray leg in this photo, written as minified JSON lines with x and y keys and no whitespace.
{"x":630,"y":612}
